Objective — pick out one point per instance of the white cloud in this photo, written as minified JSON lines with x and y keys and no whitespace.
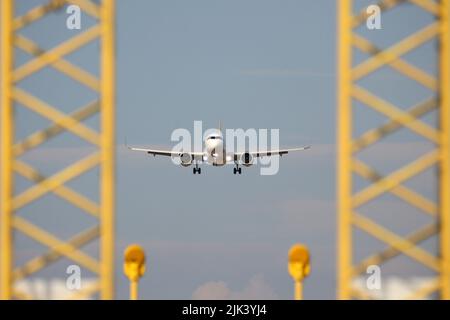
{"x":213,"y":290}
{"x":256,"y":289}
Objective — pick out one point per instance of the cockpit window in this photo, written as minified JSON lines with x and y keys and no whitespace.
{"x":214,"y":137}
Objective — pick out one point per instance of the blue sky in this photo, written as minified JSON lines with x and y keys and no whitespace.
{"x":252,"y":64}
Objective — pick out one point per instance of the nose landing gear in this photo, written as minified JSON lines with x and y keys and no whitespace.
{"x":237,"y":170}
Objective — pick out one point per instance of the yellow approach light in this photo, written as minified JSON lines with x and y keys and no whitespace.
{"x":298,"y":267}
{"x":299,"y":262}
{"x":134,"y":267}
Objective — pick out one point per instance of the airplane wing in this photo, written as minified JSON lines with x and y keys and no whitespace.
{"x":269,"y":153}
{"x":168,"y":153}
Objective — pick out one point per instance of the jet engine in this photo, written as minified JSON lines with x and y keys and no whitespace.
{"x":186,"y":159}
{"x":246,"y":159}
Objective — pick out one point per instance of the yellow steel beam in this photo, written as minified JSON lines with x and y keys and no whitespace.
{"x":66,"y":193}
{"x":394,"y":113}
{"x":394,"y":179}
{"x":399,"y":243}
{"x":61,"y":65}
{"x":55,"y":181}
{"x":36,"y":13}
{"x":52,"y":255}
{"x":62,"y":247}
{"x":56,"y":54}
{"x":397,"y":119}
{"x":58,"y":117}
{"x":374,"y":135}
{"x":388,"y":55}
{"x":406,"y":194}
{"x":87,"y":6}
{"x":428,"y":5}
{"x":390,"y":252}
{"x":444,"y":147}
{"x":107,"y":123}
{"x":41,"y":11}
{"x":7,"y":140}
{"x":404,"y":67}
{"x":103,"y":139}
{"x":344,"y":138}
{"x":384,"y":5}
{"x":41,"y":136}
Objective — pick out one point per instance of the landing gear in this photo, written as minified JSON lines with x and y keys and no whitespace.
{"x":237,"y":170}
{"x":197,"y":169}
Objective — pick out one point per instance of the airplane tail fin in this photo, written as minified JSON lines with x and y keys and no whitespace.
{"x":126,"y":142}
{"x":220,"y":127}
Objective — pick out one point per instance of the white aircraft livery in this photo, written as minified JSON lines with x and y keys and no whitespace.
{"x":215,"y":154}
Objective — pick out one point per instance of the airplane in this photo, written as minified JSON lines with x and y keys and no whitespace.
{"x":216,"y":155}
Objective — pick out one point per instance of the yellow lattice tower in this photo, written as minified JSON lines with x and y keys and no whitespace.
{"x":349,"y":200}
{"x":102,"y":157}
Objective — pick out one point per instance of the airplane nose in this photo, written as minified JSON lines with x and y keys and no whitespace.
{"x":212,"y":144}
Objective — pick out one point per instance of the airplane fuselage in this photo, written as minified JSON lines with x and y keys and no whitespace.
{"x":215,"y":150}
